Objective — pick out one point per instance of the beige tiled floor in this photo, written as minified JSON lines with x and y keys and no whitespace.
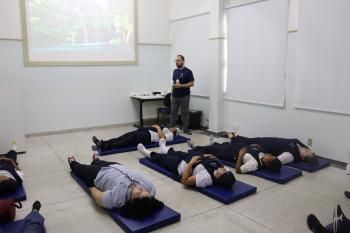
{"x":274,"y":208}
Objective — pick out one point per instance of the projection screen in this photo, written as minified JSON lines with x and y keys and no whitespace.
{"x":79,"y":32}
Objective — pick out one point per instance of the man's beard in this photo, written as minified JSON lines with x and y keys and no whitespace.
{"x":179,"y":66}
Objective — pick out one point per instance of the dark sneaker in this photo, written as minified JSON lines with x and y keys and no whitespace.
{"x":338,"y":219}
{"x":347,"y":194}
{"x":96,"y":141}
{"x":314,"y":224}
{"x":36,"y":206}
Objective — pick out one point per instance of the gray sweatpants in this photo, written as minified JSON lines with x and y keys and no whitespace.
{"x":176,"y":103}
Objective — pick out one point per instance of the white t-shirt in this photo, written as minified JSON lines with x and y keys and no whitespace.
{"x":8,"y":174}
{"x":203,"y":178}
{"x":286,"y":157}
{"x":154,"y":136}
{"x":169,"y":136}
{"x":250,"y":164}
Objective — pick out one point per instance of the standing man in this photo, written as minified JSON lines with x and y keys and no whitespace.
{"x":182,"y":82}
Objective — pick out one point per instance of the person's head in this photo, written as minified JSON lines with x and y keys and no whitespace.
{"x":139,"y":192}
{"x":271,"y":162}
{"x":7,"y":185}
{"x":141,"y":207}
{"x":304,"y":152}
{"x":180,"y":61}
{"x":224,"y":177}
{"x":307,"y":155}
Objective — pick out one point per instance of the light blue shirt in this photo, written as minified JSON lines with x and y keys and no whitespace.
{"x":116,"y":181}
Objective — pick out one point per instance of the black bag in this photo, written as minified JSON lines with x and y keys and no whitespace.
{"x":167,"y":100}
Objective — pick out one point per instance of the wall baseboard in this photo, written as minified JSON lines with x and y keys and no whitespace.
{"x":84,"y":129}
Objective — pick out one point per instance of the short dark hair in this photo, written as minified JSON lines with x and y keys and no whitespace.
{"x":312,"y":159}
{"x":226,"y":180}
{"x":141,"y":208}
{"x":274,"y":166}
{"x":8,"y":186}
{"x":182,"y":57}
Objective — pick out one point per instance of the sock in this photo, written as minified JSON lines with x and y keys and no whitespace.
{"x":191,"y":144}
{"x":163,"y":148}
{"x":348,"y":168}
{"x":142,"y":149}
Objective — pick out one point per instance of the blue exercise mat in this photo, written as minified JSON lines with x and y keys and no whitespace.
{"x":13,"y":227}
{"x":322,"y":163}
{"x":163,"y":217}
{"x":177,"y":140}
{"x":18,"y":195}
{"x":238,"y":191}
{"x":285,"y":175}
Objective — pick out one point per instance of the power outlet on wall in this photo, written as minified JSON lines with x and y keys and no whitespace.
{"x":309,"y":141}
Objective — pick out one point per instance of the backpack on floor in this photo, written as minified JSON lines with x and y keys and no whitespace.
{"x":8,"y":210}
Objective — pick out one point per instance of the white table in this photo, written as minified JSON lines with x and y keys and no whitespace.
{"x":145,"y":97}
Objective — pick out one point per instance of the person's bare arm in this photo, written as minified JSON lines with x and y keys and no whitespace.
{"x":187,"y":85}
{"x":240,"y":160}
{"x":159,"y":131}
{"x":187,"y":178}
{"x":210,"y":156}
{"x":97,"y":195}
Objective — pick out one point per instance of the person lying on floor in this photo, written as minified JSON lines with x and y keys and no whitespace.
{"x":200,"y":171}
{"x":34,"y":221}
{"x":144,"y":135}
{"x":11,"y":175}
{"x":341,"y":224}
{"x":247,"y":158}
{"x":113,"y":185}
{"x":291,"y":149}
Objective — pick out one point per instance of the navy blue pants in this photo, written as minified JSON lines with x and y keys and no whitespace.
{"x":88,"y":173}
{"x":129,"y":139}
{"x":33,"y":223}
{"x":171,"y":160}
{"x":225,"y":151}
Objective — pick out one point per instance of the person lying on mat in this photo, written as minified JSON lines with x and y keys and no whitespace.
{"x":341,"y":224}
{"x":113,"y":185}
{"x":34,"y":221}
{"x":247,"y":158}
{"x":290,"y":149}
{"x":200,"y":171}
{"x":144,"y":135}
{"x":11,"y":175}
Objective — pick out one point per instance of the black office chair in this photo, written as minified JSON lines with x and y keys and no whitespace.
{"x":166,"y":110}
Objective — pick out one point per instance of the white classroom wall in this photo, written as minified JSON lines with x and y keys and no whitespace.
{"x":183,"y":11}
{"x":69,"y":97}
{"x":329,"y":131}
{"x":58,"y":98}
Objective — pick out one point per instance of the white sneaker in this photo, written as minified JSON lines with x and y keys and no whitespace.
{"x":142,"y":149}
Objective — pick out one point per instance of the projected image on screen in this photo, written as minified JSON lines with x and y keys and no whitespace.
{"x":80,"y":31}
